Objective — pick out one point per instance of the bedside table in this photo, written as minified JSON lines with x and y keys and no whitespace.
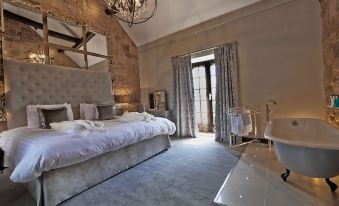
{"x":159,"y":113}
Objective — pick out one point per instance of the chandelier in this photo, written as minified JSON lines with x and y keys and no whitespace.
{"x":131,"y":11}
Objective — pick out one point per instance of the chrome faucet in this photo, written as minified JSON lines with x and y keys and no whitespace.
{"x":269,"y":111}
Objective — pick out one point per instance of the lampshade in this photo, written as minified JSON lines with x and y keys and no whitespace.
{"x":123,"y":99}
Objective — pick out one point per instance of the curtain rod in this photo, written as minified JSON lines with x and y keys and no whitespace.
{"x":210,"y":48}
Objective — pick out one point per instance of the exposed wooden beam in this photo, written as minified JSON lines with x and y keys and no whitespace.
{"x":38,"y":25}
{"x":84,"y":41}
{"x":89,"y":36}
{"x":46,"y":47}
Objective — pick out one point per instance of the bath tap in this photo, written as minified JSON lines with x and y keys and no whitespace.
{"x":269,"y":103}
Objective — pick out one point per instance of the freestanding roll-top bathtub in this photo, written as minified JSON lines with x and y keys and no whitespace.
{"x":306,"y":146}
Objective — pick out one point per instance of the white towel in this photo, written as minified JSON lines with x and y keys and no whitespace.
{"x":136,"y":117}
{"x":241,"y":123}
{"x":81,"y":127}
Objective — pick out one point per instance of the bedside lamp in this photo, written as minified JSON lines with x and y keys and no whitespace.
{"x":123,"y":99}
{"x":122,"y":103}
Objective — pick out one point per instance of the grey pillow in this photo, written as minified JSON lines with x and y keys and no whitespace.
{"x":48,"y":116}
{"x":106,"y":112}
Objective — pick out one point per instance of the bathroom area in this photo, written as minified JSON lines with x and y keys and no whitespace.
{"x":294,"y":161}
{"x":294,"y":157}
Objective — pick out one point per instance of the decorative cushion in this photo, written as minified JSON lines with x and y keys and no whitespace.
{"x":88,"y":111}
{"x":33,"y":116}
{"x":47,"y":116}
{"x":106,"y":112}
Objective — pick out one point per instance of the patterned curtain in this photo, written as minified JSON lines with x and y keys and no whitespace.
{"x":183,"y":96}
{"x":226,"y":87}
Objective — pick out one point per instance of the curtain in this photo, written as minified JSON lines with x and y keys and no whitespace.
{"x":183,"y":96}
{"x":226,"y":88}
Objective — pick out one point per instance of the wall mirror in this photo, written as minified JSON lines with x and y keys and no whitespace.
{"x":35,"y":37}
{"x":22,"y":41}
{"x":158,"y":100}
{"x":64,"y":34}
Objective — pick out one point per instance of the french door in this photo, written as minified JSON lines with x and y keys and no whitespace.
{"x":204,"y":94}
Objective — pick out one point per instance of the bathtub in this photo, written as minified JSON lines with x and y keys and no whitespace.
{"x":306,"y":146}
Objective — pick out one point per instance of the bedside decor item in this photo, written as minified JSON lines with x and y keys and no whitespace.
{"x":151,"y":100}
{"x":160,"y":102}
{"x":157,"y":100}
{"x":131,"y":11}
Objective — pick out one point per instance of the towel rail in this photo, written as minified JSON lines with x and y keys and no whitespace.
{"x":238,"y":111}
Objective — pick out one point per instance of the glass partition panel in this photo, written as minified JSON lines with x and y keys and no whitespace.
{"x":22,"y":23}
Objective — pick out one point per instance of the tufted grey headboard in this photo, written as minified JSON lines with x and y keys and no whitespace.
{"x":27,"y":83}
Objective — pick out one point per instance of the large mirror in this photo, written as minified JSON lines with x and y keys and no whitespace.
{"x":23,"y":42}
{"x":37,"y":38}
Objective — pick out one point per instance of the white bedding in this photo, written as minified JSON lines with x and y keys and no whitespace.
{"x":81,"y":127}
{"x":33,"y":151}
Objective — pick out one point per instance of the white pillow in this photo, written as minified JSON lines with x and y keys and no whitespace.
{"x":33,"y":116}
{"x":88,"y":111}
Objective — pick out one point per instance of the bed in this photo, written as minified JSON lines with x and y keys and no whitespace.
{"x":45,"y":84}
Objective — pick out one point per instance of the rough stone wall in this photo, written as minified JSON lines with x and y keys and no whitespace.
{"x":330,"y":16}
{"x":124,"y":65}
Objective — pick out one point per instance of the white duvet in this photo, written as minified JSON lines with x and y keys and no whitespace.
{"x":33,"y":151}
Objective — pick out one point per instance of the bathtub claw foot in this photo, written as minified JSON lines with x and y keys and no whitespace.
{"x":332,"y":185}
{"x":285,"y":175}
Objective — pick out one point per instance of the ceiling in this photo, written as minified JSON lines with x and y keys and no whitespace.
{"x":175,"y":15}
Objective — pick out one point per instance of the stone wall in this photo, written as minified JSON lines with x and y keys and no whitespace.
{"x":330,"y":16}
{"x":124,"y":64}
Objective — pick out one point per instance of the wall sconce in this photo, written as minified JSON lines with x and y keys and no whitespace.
{"x":123,"y":99}
{"x":35,"y":57}
{"x":123,"y":103}
{"x":39,"y":58}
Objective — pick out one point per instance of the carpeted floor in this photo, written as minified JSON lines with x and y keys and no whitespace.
{"x":189,"y":173}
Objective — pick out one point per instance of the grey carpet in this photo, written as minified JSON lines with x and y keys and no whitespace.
{"x":189,"y":173}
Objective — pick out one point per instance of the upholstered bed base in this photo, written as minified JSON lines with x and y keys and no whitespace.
{"x":58,"y":185}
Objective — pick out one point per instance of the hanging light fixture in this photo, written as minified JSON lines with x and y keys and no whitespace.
{"x":131,"y":11}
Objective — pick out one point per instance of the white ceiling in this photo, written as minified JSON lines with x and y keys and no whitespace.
{"x":175,"y":15}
